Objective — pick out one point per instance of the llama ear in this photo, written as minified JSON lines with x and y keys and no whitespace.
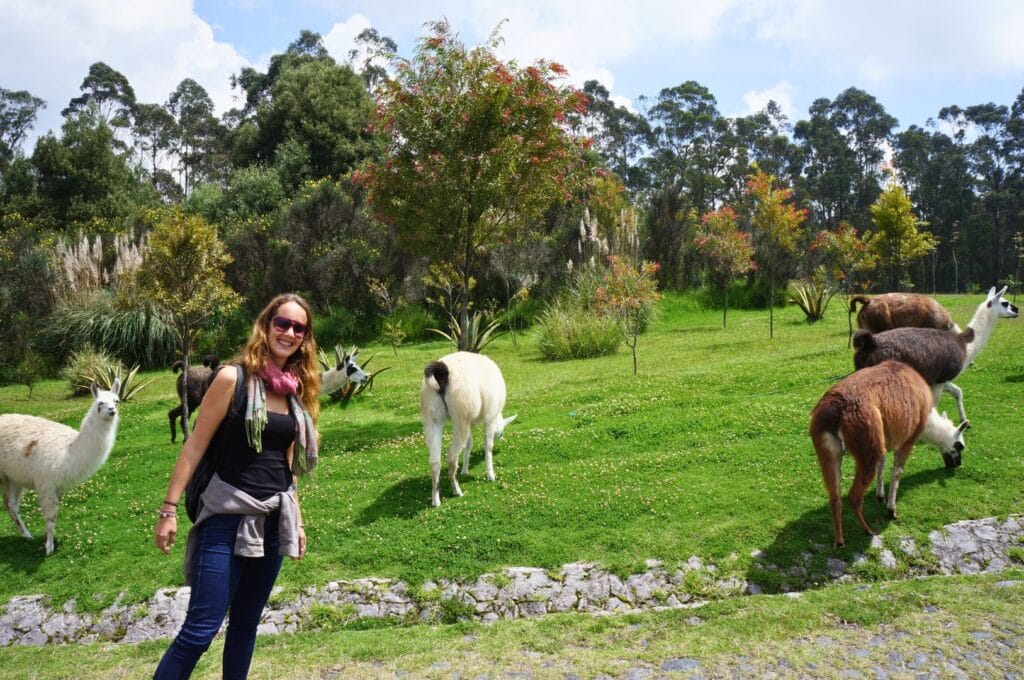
{"x":992,"y":292}
{"x":116,"y":387}
{"x":95,"y":390}
{"x":1000,"y":293}
{"x":963,"y":426}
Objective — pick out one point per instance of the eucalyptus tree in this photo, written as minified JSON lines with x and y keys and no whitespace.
{"x":621,"y":136}
{"x":18,"y":111}
{"x":370,"y":56}
{"x":108,"y":92}
{"x":844,"y":144}
{"x":198,"y":134}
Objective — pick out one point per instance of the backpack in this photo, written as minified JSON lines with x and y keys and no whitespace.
{"x":211,"y":460}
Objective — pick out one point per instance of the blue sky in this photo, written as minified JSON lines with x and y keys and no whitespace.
{"x":914,"y":56}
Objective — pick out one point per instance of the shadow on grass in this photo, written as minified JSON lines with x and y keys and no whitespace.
{"x":812,"y":533}
{"x":404,"y":500}
{"x":1014,"y":378}
{"x":370,"y":434}
{"x":22,"y":555}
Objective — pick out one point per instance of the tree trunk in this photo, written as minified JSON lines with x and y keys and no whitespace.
{"x":771,"y":307}
{"x":186,"y":431}
{"x":725,"y":307}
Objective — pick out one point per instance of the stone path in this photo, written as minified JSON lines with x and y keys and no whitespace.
{"x":975,"y":546}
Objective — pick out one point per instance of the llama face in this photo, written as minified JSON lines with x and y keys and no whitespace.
{"x":1005,"y":308}
{"x":106,"y":401}
{"x":351,"y":369}
{"x":951,"y":454}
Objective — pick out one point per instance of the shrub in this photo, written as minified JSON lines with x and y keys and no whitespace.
{"x":333,"y":326}
{"x":416,"y":322}
{"x":568,"y":331}
{"x":129,"y":386}
{"x":134,"y":335}
{"x":84,"y":365}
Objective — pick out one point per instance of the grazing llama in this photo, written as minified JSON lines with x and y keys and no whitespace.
{"x":901,"y":310}
{"x":931,"y":352}
{"x":36,"y":453}
{"x":877,"y":409}
{"x":466,"y":388}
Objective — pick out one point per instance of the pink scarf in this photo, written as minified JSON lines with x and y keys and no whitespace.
{"x":278,"y":381}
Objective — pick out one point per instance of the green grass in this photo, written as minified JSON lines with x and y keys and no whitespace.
{"x":704,"y":452}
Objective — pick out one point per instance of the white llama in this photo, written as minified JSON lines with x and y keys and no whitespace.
{"x":36,"y":453}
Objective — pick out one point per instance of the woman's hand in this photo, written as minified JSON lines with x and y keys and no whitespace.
{"x":166,"y":530}
{"x":302,"y":543}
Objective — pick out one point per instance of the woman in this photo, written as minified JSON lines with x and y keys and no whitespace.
{"x":249,"y":514}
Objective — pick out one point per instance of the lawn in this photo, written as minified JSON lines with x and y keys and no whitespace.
{"x":704,"y":452}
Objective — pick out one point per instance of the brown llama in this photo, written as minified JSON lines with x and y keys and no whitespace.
{"x":900,"y":310}
{"x":937,"y":355}
{"x":877,"y":409}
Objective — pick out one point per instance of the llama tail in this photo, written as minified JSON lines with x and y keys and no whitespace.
{"x":825,"y":420}
{"x":855,"y":299}
{"x":178,"y":365}
{"x":436,"y":375}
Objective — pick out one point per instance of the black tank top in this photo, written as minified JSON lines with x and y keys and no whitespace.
{"x":261,"y":475}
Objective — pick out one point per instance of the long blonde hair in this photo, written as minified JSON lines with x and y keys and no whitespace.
{"x":302,"y":363}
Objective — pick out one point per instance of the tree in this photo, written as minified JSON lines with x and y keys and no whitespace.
{"x":727,"y":250}
{"x":620,"y":135}
{"x":183,"y":275}
{"x":628,"y":295}
{"x":897,"y":239}
{"x":18,"y":111}
{"x":198,"y":131}
{"x":155,"y":130}
{"x":472,"y":146}
{"x":777,"y":226}
{"x":81,"y":178}
{"x":109,"y":91}
{"x":370,"y":56}
{"x":846,"y":260}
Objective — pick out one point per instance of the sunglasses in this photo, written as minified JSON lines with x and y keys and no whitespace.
{"x":282,"y":324}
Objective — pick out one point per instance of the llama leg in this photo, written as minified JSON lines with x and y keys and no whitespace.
{"x":173,"y":415}
{"x":461,"y":434}
{"x":489,"y":434}
{"x":880,"y":480}
{"x":432,"y":433}
{"x":958,"y":394}
{"x":861,"y":479}
{"x":49,"y":503}
{"x":12,"y":500}
{"x":830,"y":456}
{"x":465,"y":454}
{"x":897,"y":470}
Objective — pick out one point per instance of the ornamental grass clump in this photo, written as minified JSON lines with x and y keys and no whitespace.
{"x":573,"y":326}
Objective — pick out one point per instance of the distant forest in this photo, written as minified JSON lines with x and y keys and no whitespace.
{"x":283,"y":178}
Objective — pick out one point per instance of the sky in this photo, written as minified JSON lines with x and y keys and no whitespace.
{"x":914,"y":56}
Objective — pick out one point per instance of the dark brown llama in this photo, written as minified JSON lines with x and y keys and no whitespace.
{"x":199,"y":379}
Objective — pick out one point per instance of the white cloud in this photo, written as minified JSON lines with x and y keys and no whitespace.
{"x":342,"y":36}
{"x":881,"y":41}
{"x":47,"y":46}
{"x":781,"y":93}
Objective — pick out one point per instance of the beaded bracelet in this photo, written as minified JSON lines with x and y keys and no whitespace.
{"x":163,"y":514}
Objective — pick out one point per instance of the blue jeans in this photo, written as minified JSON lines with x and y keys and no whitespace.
{"x":223,"y":582}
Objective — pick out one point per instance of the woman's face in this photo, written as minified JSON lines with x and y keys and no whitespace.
{"x":288,"y":328}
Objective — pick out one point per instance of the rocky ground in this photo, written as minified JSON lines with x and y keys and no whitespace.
{"x":993,"y":649}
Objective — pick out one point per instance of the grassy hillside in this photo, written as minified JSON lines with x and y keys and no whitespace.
{"x":704,"y":452}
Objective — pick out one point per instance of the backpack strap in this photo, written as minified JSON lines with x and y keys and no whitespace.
{"x":239,"y":396}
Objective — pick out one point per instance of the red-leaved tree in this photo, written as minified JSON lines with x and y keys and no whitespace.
{"x":473,"y":146}
{"x":727,"y":251}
